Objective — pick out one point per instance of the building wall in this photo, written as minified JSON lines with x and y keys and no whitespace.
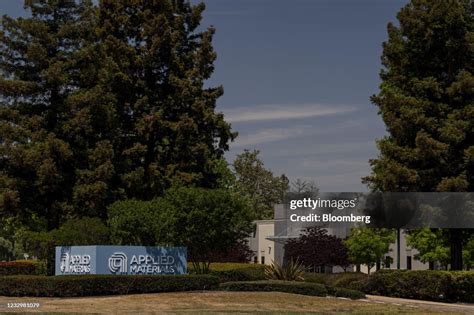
{"x":264,"y":249}
{"x":270,"y":236}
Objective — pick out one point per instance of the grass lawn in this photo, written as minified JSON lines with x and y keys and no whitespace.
{"x":218,"y":302}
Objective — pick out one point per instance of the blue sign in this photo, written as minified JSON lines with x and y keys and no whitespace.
{"x":120,"y":260}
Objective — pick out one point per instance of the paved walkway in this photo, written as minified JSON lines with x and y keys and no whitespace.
{"x":448,"y":307}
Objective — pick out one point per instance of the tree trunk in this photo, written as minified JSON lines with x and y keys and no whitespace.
{"x":431,"y":265}
{"x":398,"y":249}
{"x":456,"y":249}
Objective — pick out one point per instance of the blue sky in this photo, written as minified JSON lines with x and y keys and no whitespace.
{"x":297,"y":77}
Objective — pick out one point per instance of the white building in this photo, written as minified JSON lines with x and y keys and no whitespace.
{"x":261,"y":244}
{"x":269,"y":238}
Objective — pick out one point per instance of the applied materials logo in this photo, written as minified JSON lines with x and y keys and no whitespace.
{"x":75,"y":264}
{"x":64,"y":263}
{"x":118,"y":263}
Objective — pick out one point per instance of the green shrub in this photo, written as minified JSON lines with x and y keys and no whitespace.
{"x":304,"y":288}
{"x":41,"y":268}
{"x":347,"y":293}
{"x":235,"y":271}
{"x":412,"y":284}
{"x":230,"y":266}
{"x":19,"y":267}
{"x":462,"y":286}
{"x":251,"y":274}
{"x":316,"y":277}
{"x":359,"y":285}
{"x":346,"y":279}
{"x":288,"y":271}
{"x":235,"y":266}
{"x":425,"y":285}
{"x":342,"y":279}
{"x":88,"y":285}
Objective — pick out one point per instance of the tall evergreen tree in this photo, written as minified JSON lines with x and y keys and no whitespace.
{"x":170,"y":131}
{"x":426,"y":102}
{"x":51,"y":118}
{"x":99,"y":103}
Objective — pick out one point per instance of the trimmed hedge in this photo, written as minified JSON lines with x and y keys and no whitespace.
{"x":236,"y":266}
{"x":304,"y":288}
{"x":21,"y":267}
{"x":343,"y":279}
{"x":462,"y":286}
{"x":250,"y":274}
{"x":423,"y":284}
{"x":348,"y":280}
{"x":346,"y":293}
{"x":87,"y":285}
{"x":227,"y":272}
{"x":315,"y":277}
{"x":359,"y":285}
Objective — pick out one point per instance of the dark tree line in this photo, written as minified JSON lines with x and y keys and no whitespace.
{"x":104,"y":102}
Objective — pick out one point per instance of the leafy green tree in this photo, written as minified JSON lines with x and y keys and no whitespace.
{"x":433,"y":247}
{"x":206,"y":221}
{"x":137,"y":222}
{"x":430,"y":245}
{"x":6,"y":250}
{"x":425,"y":100}
{"x":258,"y":183}
{"x":468,"y":254}
{"x":226,"y":178}
{"x":368,"y":245}
{"x":10,"y":248}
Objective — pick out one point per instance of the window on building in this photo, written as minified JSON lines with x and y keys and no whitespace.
{"x":409,"y":262}
{"x":263,"y":260}
{"x":387,"y":261}
{"x":255,"y":259}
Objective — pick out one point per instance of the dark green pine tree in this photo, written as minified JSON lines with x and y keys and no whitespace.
{"x":426,"y":101}
{"x":54,"y":119}
{"x":159,"y":62}
{"x":103,"y":103}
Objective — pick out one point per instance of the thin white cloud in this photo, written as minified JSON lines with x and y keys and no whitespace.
{"x":332,"y":149}
{"x":270,"y":135}
{"x":336,"y":164}
{"x":278,"y":134}
{"x":283,"y":112}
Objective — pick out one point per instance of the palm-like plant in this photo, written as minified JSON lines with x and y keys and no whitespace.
{"x":289,"y":271}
